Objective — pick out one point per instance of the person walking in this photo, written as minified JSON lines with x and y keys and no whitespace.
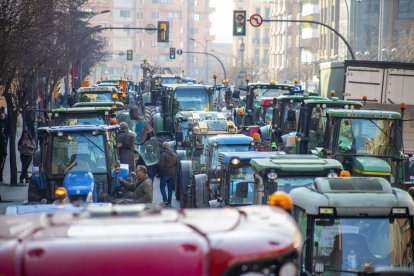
{"x":4,"y":130}
{"x":168,"y":170}
{"x":26,"y":146}
{"x":125,"y":142}
{"x":142,"y":188}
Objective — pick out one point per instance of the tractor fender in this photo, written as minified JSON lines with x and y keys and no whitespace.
{"x":181,"y":154}
{"x":201,"y":190}
{"x":183,"y":181}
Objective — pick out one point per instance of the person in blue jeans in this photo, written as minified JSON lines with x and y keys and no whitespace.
{"x":168,"y":168}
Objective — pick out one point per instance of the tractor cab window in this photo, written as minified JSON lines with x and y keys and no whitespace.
{"x":241,"y":185}
{"x":290,"y":116}
{"x":347,"y":244}
{"x":96,"y":97}
{"x":69,"y":119}
{"x":367,"y":137}
{"x":78,"y":151}
{"x":192,"y":99}
{"x":317,"y":127}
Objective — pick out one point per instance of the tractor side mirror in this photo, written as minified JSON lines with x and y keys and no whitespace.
{"x":242,"y":189}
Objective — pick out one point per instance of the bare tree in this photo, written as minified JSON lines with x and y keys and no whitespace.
{"x":38,"y":41}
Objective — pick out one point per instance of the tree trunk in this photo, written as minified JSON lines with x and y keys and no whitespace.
{"x":12,"y":114}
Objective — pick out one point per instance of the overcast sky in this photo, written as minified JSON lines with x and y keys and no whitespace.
{"x":222,"y":21}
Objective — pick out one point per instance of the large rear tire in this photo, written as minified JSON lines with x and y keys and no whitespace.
{"x":149,"y":114}
{"x":185,"y":185}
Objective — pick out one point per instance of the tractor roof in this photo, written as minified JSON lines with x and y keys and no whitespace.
{"x":226,"y":157}
{"x":230,"y":139}
{"x":353,"y":196}
{"x":368,"y":114}
{"x":304,"y":163}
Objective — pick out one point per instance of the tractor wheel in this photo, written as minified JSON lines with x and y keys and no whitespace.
{"x":184,"y":184}
{"x":149,"y":114}
{"x":201,"y":191}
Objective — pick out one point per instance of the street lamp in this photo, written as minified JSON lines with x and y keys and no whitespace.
{"x":205,"y":59}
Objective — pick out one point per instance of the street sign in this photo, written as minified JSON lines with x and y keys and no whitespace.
{"x":256,"y":20}
{"x":179,"y":52}
{"x":150,"y":29}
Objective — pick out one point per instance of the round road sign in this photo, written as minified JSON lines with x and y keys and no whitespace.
{"x":151,"y":29}
{"x":179,"y":52}
{"x":256,"y":20}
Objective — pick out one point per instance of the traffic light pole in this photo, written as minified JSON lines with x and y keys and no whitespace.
{"x":206,"y":53}
{"x":318,"y":23}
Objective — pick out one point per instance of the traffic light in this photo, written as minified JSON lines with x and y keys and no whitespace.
{"x":163,"y":28}
{"x":129,"y":54}
{"x":172,"y":53}
{"x":239,"y":23}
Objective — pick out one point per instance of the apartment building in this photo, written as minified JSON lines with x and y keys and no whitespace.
{"x":189,"y":27}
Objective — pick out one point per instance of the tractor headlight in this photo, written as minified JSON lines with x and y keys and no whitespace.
{"x":271,"y":175}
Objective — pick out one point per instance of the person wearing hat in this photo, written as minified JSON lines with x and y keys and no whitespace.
{"x":125,"y":143}
{"x":258,"y":143}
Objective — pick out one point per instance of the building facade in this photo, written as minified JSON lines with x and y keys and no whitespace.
{"x":189,"y":27}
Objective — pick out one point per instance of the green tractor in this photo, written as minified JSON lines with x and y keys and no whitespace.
{"x":312,"y":123}
{"x":249,"y":111}
{"x":82,"y":116}
{"x":367,"y":143}
{"x":178,"y":102}
{"x":354,"y":226}
{"x":283,"y":115}
{"x":102,"y":96}
{"x":287,"y":172}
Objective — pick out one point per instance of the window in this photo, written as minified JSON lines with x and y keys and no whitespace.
{"x":405,"y":9}
{"x":154,"y":15}
{"x":196,"y":17}
{"x":125,"y":13}
{"x":174,"y":15}
{"x":153,"y":44}
{"x":140,"y":15}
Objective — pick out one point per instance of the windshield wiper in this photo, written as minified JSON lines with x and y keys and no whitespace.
{"x":84,"y":136}
{"x":372,"y":121}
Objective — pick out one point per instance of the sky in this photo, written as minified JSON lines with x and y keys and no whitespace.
{"x":222,"y":21}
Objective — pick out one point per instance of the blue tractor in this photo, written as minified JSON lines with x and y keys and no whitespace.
{"x":200,"y":179}
{"x":82,"y":159}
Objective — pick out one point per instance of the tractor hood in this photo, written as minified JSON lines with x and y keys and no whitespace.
{"x":371,"y":166}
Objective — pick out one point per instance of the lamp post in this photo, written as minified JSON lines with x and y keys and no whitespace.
{"x":205,"y":59}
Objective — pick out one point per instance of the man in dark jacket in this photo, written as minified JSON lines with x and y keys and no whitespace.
{"x":168,"y":170}
{"x":142,"y":188}
{"x":125,"y":142}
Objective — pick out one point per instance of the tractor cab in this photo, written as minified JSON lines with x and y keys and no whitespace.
{"x":287,"y":172}
{"x":283,"y":114}
{"x":312,"y":124}
{"x":81,"y":116}
{"x":249,"y":112}
{"x":178,"y":102}
{"x":352,"y":225}
{"x":237,"y":178}
{"x":82,"y":159}
{"x":367,"y":143}
{"x":97,"y":96}
{"x":205,"y":184}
